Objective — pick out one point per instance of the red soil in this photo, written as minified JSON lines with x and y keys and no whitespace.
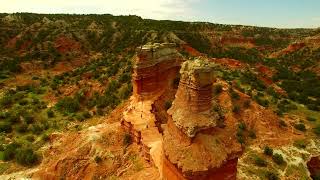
{"x":264,"y":70}
{"x":230,"y":63}
{"x":236,"y":40}
{"x":191,"y":50}
{"x":64,"y":44}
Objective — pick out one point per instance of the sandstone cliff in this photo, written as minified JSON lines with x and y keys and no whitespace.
{"x":156,"y":67}
{"x":194,"y":147}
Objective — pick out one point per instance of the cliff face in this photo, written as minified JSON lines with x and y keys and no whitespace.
{"x":194,"y":147}
{"x":155,"y":68}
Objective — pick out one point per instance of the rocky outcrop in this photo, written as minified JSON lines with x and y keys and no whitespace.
{"x":194,"y":147}
{"x":155,"y":68}
{"x":314,"y":167}
{"x":191,"y":109}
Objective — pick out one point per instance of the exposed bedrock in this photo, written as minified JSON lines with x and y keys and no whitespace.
{"x":191,"y":108}
{"x":314,"y":167}
{"x":195,"y":86}
{"x":156,"y":66}
{"x":194,"y":147}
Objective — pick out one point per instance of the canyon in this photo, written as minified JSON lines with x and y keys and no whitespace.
{"x":191,"y":138}
{"x":182,"y":150}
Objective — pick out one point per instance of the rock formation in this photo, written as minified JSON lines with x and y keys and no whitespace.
{"x":192,"y":104}
{"x":194,"y":147}
{"x":156,"y":67}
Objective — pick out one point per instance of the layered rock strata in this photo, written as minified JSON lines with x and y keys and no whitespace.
{"x":191,"y":109}
{"x":156,"y":67}
{"x":194,"y":148}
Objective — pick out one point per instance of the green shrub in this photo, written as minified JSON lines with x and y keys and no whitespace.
{"x":236,"y":109}
{"x":45,"y":137}
{"x":268,"y":151}
{"x":68,"y":105}
{"x":100,"y":111}
{"x":127,"y":140}
{"x":271,"y":175}
{"x":168,"y":105}
{"x":50,"y":113}
{"x":234,"y":95}
{"x":98,"y":159}
{"x":240,"y":139}
{"x":125,"y":92}
{"x":260,"y":162}
{"x":26,"y":156}
{"x":5,"y":127}
{"x":175,"y":82}
{"x":240,"y":136}
{"x":23,"y":102}
{"x":29,"y":138}
{"x":317,"y":130}
{"x":311,"y":119}
{"x":217,"y":89}
{"x":262,"y":102}
{"x":242,"y":126}
{"x":10,"y":151}
{"x":83,"y":116}
{"x":28,"y":118}
{"x":36,"y":128}
{"x":124,"y":78}
{"x":300,"y":144}
{"x":86,"y":114}
{"x":246,"y":104}
{"x":277,"y":158}
{"x":22,"y":128}
{"x":6,"y":100}
{"x":300,"y":127}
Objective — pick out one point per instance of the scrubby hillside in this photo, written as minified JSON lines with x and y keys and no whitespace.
{"x":67,"y":72}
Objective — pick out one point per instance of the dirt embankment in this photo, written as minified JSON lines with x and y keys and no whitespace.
{"x":98,"y":152}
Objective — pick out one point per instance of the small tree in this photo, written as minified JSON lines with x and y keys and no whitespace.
{"x":218,"y":89}
{"x":277,"y":158}
{"x":317,"y":130}
{"x":168,"y":105}
{"x":268,"y":151}
{"x":50,"y":113}
{"x":300,"y":127}
{"x":246,"y":104}
{"x":236,"y":109}
{"x":259,"y":161}
{"x":26,"y":156}
{"x":127,"y":140}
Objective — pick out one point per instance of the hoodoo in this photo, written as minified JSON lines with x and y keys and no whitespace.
{"x":194,"y":147}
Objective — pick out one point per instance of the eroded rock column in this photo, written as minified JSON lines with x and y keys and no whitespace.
{"x":194,"y":147}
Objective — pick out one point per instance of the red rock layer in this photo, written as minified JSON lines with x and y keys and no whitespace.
{"x":155,"y":69}
{"x":194,"y":148}
{"x":314,"y":167}
{"x":154,"y":79}
{"x":198,"y":99}
{"x":227,"y":171}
